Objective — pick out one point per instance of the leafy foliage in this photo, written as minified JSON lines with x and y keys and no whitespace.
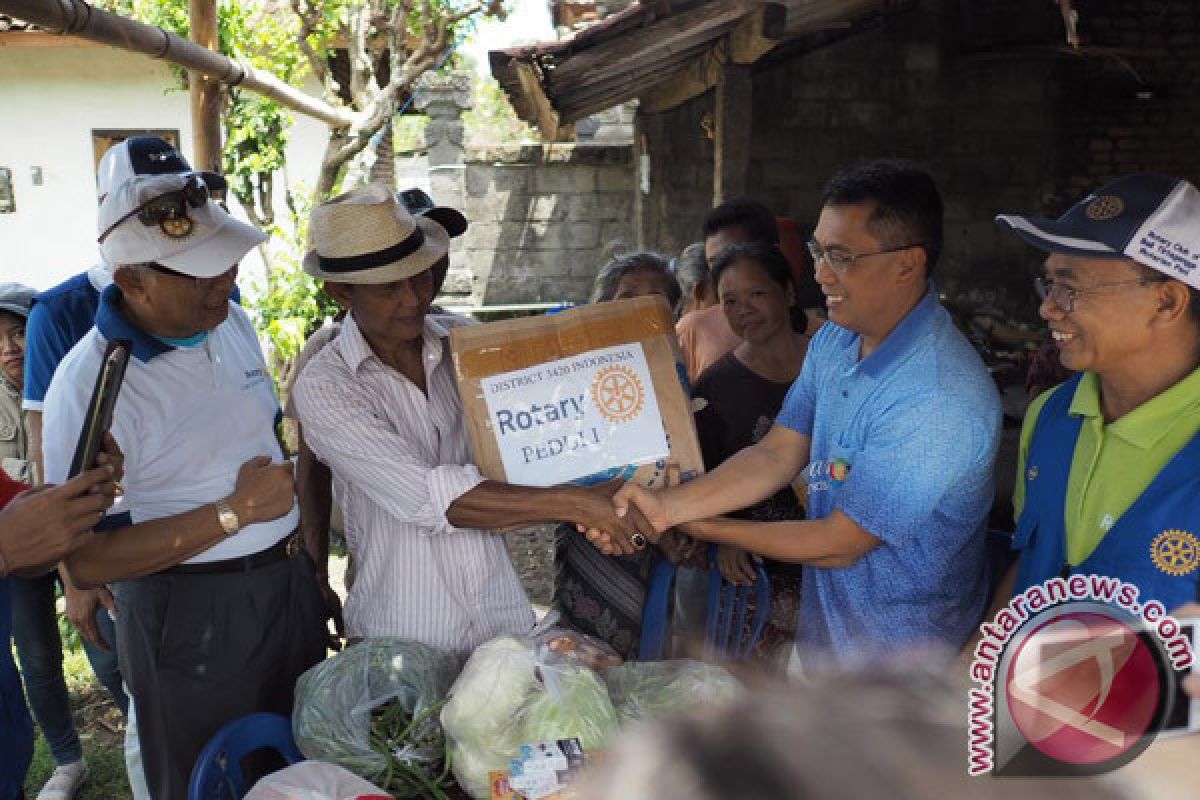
{"x":291,"y":305}
{"x":256,"y":129}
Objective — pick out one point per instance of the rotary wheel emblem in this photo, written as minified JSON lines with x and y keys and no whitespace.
{"x":1106,"y":206}
{"x":618,"y":393}
{"x":1175,"y":552}
{"x":177,"y":227}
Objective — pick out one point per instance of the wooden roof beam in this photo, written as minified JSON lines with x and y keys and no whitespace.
{"x":754,"y":37}
{"x":661,"y":38}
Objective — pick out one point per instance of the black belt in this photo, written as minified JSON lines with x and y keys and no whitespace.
{"x":287,"y":547}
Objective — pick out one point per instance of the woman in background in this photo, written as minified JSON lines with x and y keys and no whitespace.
{"x":597,"y":594}
{"x":736,"y":400}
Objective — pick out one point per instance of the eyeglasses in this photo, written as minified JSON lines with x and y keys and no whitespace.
{"x":1065,"y":297}
{"x":168,"y":211}
{"x":840,"y":261}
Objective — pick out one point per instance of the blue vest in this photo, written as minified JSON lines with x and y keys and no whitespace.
{"x":1155,"y":545}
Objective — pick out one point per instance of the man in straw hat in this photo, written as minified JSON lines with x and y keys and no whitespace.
{"x":380,"y":406}
{"x":218,"y":615}
{"x":1108,"y":478}
{"x":313,"y":479}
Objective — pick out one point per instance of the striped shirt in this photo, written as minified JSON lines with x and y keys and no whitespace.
{"x":399,"y":460}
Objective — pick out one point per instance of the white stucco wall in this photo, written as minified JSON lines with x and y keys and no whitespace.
{"x":51,"y":99}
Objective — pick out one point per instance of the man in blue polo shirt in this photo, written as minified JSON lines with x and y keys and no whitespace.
{"x":894,"y":421}
{"x":219,"y":612}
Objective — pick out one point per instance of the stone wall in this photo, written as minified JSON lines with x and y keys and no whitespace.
{"x":986,"y":94}
{"x":543,"y":218}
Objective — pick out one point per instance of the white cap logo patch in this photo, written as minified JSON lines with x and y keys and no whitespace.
{"x":1168,"y":240}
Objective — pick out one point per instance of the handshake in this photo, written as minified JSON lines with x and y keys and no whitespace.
{"x":621,"y":518}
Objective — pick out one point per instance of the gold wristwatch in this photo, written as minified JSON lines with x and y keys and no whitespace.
{"x":228,"y":518}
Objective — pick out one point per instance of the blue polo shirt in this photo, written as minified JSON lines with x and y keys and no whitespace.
{"x":60,"y":317}
{"x":903,"y":443}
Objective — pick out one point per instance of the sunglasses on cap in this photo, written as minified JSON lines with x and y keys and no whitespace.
{"x":168,"y":211}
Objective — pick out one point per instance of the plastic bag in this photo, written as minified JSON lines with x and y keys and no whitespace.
{"x":314,"y":780}
{"x":340,"y":703}
{"x":573,"y":705}
{"x":487,"y":717}
{"x":657,"y":689}
{"x":554,"y":645}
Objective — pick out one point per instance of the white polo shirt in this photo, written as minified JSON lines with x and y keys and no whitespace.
{"x":187,"y":418}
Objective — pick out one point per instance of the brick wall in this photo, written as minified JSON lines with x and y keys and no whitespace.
{"x":1137,"y":108}
{"x":986,"y":94}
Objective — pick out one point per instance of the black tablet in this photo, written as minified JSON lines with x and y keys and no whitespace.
{"x":100,"y":409}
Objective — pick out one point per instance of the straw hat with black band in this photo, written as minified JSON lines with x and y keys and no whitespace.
{"x":367,"y":236}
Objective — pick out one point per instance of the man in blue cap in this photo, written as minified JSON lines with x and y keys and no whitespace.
{"x":1108,"y":478}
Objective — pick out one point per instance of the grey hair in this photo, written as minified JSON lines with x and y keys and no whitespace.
{"x":605,"y":286}
{"x":691,"y":268}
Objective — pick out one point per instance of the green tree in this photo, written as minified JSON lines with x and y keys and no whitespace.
{"x":367,"y":55}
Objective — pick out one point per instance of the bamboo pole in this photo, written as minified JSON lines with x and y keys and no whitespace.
{"x":205,"y":93}
{"x":78,"y":18}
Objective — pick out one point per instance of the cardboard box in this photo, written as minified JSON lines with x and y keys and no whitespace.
{"x":586,"y":395}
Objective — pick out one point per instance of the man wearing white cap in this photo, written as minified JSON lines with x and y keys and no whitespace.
{"x":380,"y":406}
{"x":1108,"y":478}
{"x":217,"y":616}
{"x":59,"y":318}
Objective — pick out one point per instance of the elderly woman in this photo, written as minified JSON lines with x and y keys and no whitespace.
{"x":736,"y":400}
{"x":594,"y":593}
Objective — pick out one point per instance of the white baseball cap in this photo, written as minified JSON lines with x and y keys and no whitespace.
{"x":184,"y":230}
{"x":144,"y":155}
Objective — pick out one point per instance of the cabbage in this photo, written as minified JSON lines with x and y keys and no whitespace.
{"x":575,"y":704}
{"x":472,"y":765}
{"x":657,"y":689}
{"x":480,"y":718}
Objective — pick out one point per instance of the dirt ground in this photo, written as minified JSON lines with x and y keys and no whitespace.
{"x":532,"y":551}
{"x":96,"y":718}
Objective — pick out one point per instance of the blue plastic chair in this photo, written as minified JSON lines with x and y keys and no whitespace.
{"x":217,"y":774}
{"x":725,"y":624}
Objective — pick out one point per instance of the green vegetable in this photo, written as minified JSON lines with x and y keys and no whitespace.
{"x":574,"y":704}
{"x":657,"y":689}
{"x":373,"y":709}
{"x":481,"y":717}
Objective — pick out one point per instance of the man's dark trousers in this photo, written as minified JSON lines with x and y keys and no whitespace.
{"x":201,"y":650}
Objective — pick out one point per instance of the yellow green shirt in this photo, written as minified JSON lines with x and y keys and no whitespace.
{"x":1113,"y":464}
